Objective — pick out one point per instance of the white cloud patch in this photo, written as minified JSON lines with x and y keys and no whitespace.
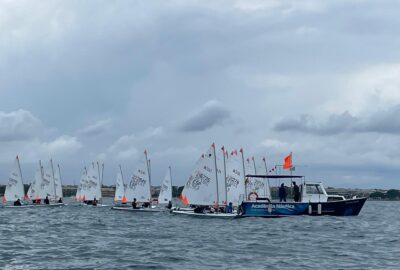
{"x":211,"y":114}
{"x":61,"y":146}
{"x":96,"y":129}
{"x":18,"y":125}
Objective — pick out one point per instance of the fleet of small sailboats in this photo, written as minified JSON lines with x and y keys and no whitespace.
{"x":45,"y":188}
{"x":221,"y":185}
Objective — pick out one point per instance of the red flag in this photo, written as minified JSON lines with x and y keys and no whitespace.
{"x":287,"y":162}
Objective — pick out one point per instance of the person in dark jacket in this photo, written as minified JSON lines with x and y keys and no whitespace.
{"x":296,"y":192}
{"x":169,"y":206}
{"x":17,"y":203}
{"x":47,"y":201}
{"x":134,"y":204}
{"x":282,"y":193}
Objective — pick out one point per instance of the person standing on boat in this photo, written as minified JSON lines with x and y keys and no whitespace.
{"x":60,"y":200}
{"x":296,"y":192}
{"x":282,"y":193}
{"x":47,"y":201}
{"x":134,"y":204}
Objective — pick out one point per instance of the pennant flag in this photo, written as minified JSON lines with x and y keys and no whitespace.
{"x":241,"y":150}
{"x":213,"y":145}
{"x":287,"y":162}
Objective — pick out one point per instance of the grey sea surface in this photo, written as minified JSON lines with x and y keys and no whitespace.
{"x":83,"y":237}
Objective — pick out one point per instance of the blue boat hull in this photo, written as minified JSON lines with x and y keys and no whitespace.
{"x":337,"y":208}
{"x":271,"y":210}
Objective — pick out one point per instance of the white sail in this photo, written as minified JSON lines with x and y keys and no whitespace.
{"x":37,"y":190}
{"x":91,"y":188}
{"x":119,"y":187}
{"x":222,"y":192}
{"x":235,"y":179}
{"x":201,"y":188}
{"x":58,"y":183}
{"x":80,"y":190}
{"x":48,"y":182}
{"x":166,"y":189}
{"x":15,"y":185}
{"x":139,"y":185}
{"x":254,"y":186}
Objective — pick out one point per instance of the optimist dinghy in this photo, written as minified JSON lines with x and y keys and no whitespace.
{"x":203,"y":187}
{"x":138,"y":189}
{"x":15,"y":188}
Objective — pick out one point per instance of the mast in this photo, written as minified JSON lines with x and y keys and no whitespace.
{"x":170,"y":179}
{"x":100,"y":182}
{"x":266,"y":171}
{"x":216,"y":175}
{"x":226,"y":190}
{"x":54,"y":181}
{"x":244,"y":175}
{"x":22,"y":181}
{"x":148,"y":172}
{"x":59,"y":174}
{"x":254,"y":165}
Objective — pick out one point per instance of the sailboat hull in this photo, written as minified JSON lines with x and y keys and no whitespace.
{"x":204,"y":215}
{"x":139,"y":210}
{"x":35,"y":205}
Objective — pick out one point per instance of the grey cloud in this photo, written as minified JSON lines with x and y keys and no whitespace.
{"x":384,"y":121}
{"x":18,"y":125}
{"x":207,"y":116}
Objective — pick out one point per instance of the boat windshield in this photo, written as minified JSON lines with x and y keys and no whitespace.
{"x":313,"y":189}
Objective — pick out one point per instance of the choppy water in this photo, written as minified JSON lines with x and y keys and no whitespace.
{"x":78,"y":237}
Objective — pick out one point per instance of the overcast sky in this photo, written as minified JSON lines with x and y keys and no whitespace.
{"x":104,"y":80}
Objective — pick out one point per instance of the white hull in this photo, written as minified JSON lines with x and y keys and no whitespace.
{"x":35,"y":205}
{"x":141,"y":210}
{"x":205,"y":215}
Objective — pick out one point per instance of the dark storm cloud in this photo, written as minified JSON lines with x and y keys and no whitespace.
{"x":209,"y":115}
{"x":384,"y":121}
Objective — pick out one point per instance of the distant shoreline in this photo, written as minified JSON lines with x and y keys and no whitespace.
{"x":372,"y":194}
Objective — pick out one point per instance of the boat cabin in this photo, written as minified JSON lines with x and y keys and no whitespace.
{"x":313,"y":192}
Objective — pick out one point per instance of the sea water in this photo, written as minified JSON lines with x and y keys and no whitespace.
{"x":83,"y":237}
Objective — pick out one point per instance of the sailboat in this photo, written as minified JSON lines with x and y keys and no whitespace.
{"x":58,"y":185}
{"x":90,"y":190}
{"x":139,"y":188}
{"x":235,"y":179}
{"x":15,"y":187}
{"x":44,"y":186}
{"x":120,"y":188}
{"x":202,"y":188}
{"x":165,"y":196}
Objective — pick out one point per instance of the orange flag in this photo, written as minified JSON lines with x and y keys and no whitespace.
{"x":185,"y":201}
{"x":287,"y":162}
